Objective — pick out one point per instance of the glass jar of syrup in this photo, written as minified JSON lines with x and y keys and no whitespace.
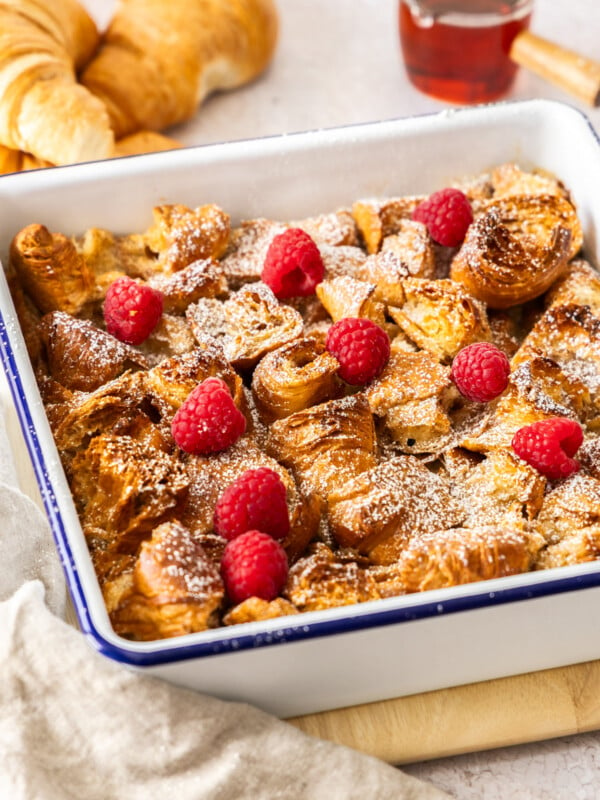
{"x":458,"y":50}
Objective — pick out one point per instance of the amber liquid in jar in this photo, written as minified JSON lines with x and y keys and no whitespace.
{"x":458,"y":50}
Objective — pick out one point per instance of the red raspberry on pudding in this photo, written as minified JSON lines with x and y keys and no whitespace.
{"x":447,"y":214}
{"x":549,"y":446}
{"x":132,"y":310}
{"x":208,"y":421}
{"x":254,"y":565}
{"x":293,"y":265}
{"x":481,"y":371}
{"x":256,"y":500}
{"x":361,"y":347}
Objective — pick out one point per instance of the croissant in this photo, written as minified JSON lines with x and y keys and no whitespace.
{"x":295,"y":376}
{"x":580,"y":285}
{"x":443,"y":558}
{"x":326,"y":445}
{"x":254,"y":609}
{"x":377,"y":219}
{"x":43,"y":110}
{"x":135,"y":144}
{"x":412,"y":397}
{"x":537,"y":389}
{"x":159,"y":60}
{"x":502,"y":487}
{"x":121,"y":407}
{"x":392,"y":501}
{"x":51,"y":270}
{"x":249,"y":324}
{"x":174,"y":378}
{"x":180,"y":235}
{"x":336,"y":229}
{"x":515,"y":250}
{"x":245,"y":255}
{"x":413,"y":245}
{"x":125,"y":489}
{"x":319,"y":581}
{"x":344,"y":296}
{"x":174,"y":588}
{"x":17,"y":161}
{"x":570,"y":522}
{"x":81,"y":356}
{"x":439,"y":316}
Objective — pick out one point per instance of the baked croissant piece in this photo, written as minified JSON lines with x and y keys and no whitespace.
{"x":438,"y":559}
{"x":158,"y":60}
{"x":248,"y":325}
{"x":515,"y":250}
{"x":43,"y":110}
{"x":326,"y":445}
{"x":295,"y":376}
{"x":173,"y":589}
{"x":412,"y":398}
{"x":51,"y":270}
{"x":379,"y":510}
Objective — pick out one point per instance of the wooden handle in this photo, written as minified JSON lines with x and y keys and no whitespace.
{"x":570,"y":71}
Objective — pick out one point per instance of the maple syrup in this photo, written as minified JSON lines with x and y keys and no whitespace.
{"x":458,"y":50}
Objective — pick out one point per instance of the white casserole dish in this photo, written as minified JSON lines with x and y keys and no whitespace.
{"x":381,"y":649}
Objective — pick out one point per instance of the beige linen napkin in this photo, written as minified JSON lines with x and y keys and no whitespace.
{"x":74,"y":724}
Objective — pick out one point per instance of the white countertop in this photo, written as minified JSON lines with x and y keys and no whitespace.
{"x":338,"y":62}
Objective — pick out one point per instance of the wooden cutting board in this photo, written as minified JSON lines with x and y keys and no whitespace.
{"x":524,"y":708}
{"x":480,"y":716}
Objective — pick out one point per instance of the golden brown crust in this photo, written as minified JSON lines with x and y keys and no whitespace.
{"x":439,"y":316}
{"x":293,"y":377}
{"x":44,"y":111}
{"x":344,"y":296}
{"x":158,"y":60}
{"x":319,"y":581}
{"x":452,"y":557}
{"x":377,"y":219}
{"x":254,"y":609}
{"x":390,"y":503}
{"x":326,"y":445}
{"x":51,"y":270}
{"x":80,"y":355}
{"x":248,"y":325}
{"x":412,"y":397}
{"x":174,"y":588}
{"x":515,"y":250}
{"x":126,"y":489}
{"x":181,"y":235}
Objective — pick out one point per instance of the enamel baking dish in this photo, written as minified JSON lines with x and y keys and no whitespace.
{"x":381,"y":649}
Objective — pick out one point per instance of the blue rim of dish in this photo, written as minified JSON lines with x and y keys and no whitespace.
{"x":304,"y":628}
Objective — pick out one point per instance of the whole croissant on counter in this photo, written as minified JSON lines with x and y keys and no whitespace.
{"x":159,"y":60}
{"x":43,"y":109}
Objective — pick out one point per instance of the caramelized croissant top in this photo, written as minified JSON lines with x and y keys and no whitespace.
{"x":517,"y":248}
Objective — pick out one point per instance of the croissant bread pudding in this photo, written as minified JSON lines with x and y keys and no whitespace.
{"x":267,"y":417}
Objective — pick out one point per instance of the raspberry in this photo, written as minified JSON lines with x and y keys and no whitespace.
{"x":361,"y":347}
{"x":447,"y":215}
{"x":208,"y":421}
{"x":255,"y":500}
{"x":132,"y":310}
{"x":480,"y":371}
{"x":254,"y":565}
{"x":549,"y":446}
{"x":293,"y":265}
